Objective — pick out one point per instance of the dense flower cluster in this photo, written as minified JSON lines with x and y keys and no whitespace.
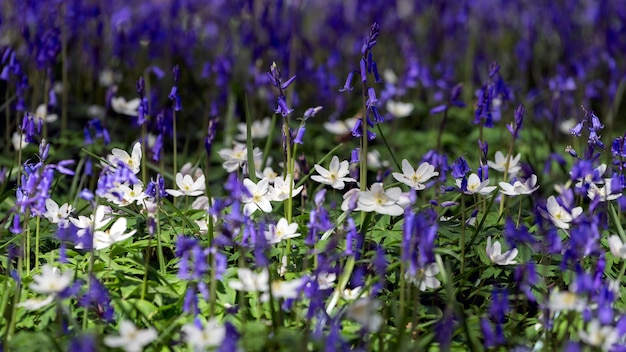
{"x":486,"y":212}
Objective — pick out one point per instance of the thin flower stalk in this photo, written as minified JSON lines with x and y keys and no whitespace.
{"x":519,"y":116}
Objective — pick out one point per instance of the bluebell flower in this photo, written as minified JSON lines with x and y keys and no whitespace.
{"x":526,"y":275}
{"x":595,"y":122}
{"x":493,"y":336}
{"x":499,"y":306}
{"x":577,"y":130}
{"x":444,"y":329}
{"x":83,"y":343}
{"x":351,"y":235}
{"x":310,"y":112}
{"x":516,"y":125}
{"x":378,"y":118}
{"x":515,"y":236}
{"x":460,"y":168}
{"x":98,"y":298}
{"x":363,"y":70}
{"x":347,"y":86}
{"x":16,"y":227}
{"x":299,"y":135}
{"x":372,"y":100}
{"x":231,"y":339}
{"x":572,"y":346}
{"x":282,"y":108}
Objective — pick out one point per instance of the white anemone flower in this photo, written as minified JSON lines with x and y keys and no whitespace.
{"x":284,"y":289}
{"x":260,"y":198}
{"x":280,"y":191}
{"x":51,"y":281}
{"x":518,"y":187}
{"x":389,"y":76}
{"x":326,"y":280}
{"x":96,"y":221}
{"x":187,"y":186}
{"x":350,"y":294}
{"x":500,"y":163}
{"x":268,"y":173}
{"x":237,"y":156}
{"x":603,"y":192}
{"x":41,"y":113}
{"x":618,"y":249}
{"x":560,"y":216}
{"x":211,"y":335}
{"x":258,"y":129}
{"x":365,"y":312}
{"x":565,"y":301}
{"x":130,"y":338}
{"x":597,"y":173}
{"x":336,"y":174}
{"x":415,"y":178}
{"x":494,"y":252}
{"x":350,"y":198}
{"x":133,"y":161}
{"x":425,"y":277}
{"x":36,"y":303}
{"x":375,"y":161}
{"x":340,"y":127}
{"x":281,"y":231}
{"x":474,"y":185}
{"x":116,"y":233}
{"x":125,"y":194}
{"x":399,"y":109}
{"x":56,"y":214}
{"x":250,"y":281}
{"x":381,"y":201}
{"x":121,"y":106}
{"x":19,"y":141}
{"x":596,"y":335}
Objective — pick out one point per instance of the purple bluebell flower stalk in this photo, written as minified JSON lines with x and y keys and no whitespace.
{"x":516,"y":125}
{"x":210,"y":137}
{"x":174,"y":96}
{"x":515,"y":236}
{"x":526,"y":275}
{"x":83,"y":343}
{"x":98,"y":298}
{"x":494,"y":91}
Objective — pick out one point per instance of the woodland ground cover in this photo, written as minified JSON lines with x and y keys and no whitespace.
{"x":312,"y":175}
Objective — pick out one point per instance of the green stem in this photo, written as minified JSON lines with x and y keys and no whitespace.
{"x":16,"y":301}
{"x":90,"y":269}
{"x":144,"y":153}
{"x":160,"y":255}
{"x":506,"y":173}
{"x":37,"y":244}
{"x":287,"y":164}
{"x":144,"y":284}
{"x":249,"y":146}
{"x":462,"y":234}
{"x":393,"y":157}
{"x":175,"y":144}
